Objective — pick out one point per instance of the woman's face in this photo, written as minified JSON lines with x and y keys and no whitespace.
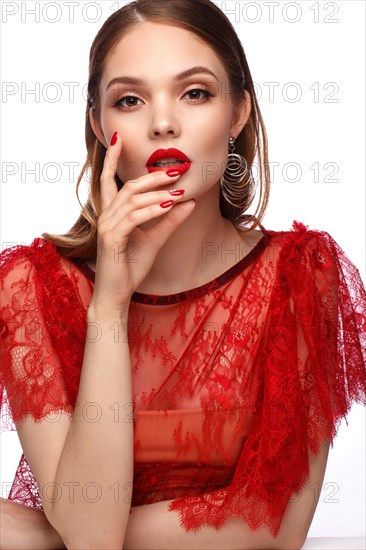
{"x":165,"y":112}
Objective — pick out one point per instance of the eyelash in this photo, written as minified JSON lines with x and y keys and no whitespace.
{"x":206,"y":92}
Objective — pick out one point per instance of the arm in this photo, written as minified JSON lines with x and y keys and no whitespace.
{"x":22,"y":528}
{"x":154,"y":527}
{"x":84,"y":469}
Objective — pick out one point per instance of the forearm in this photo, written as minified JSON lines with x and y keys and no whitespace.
{"x":154,"y":527}
{"x":22,"y":528}
{"x":93,"y":482}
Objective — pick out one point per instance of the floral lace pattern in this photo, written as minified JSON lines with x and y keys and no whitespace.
{"x":233,"y":382}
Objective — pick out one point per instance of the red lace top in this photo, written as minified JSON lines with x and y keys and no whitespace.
{"x":233,"y":381}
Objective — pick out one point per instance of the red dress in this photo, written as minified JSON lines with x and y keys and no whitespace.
{"x":233,"y":382}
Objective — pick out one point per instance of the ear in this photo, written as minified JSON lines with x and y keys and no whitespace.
{"x":240,"y":116}
{"x":97,"y":128}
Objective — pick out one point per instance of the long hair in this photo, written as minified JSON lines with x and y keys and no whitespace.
{"x":207,"y":21}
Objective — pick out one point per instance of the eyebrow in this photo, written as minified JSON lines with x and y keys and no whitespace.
{"x":177,"y":78}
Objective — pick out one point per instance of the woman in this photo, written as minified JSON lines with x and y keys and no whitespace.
{"x":167,"y":393}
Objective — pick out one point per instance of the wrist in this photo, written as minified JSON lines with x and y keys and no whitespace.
{"x":104,"y":324}
{"x":105,"y":313}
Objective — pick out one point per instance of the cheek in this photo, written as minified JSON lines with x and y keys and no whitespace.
{"x":128,"y":167}
{"x":217,"y":148}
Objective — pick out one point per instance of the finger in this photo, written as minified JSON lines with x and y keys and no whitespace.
{"x":173,"y":218}
{"x":125,"y":224}
{"x":108,"y":186}
{"x":132,"y":197}
{"x":147,"y":181}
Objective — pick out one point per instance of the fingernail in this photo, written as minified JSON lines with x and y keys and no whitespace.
{"x":172,"y":173}
{"x":166,"y":204}
{"x":176,"y":192}
{"x":114,"y":138}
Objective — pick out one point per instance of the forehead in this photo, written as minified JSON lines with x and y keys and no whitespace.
{"x":157,"y":51}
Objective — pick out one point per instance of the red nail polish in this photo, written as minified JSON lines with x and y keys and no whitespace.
{"x":173,"y":172}
{"x":166,"y":204}
{"x":176,"y":192}
{"x":114,"y":138}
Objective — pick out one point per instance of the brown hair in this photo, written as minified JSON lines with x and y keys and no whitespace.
{"x":208,"y":22}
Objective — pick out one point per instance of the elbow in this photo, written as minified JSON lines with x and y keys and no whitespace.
{"x":95,"y":539}
{"x":48,"y":511}
{"x":63,"y":533}
{"x":84,"y":537}
{"x":92,"y":545}
{"x":78,"y":542}
{"x":301,"y":541}
{"x":290,"y":542}
{"x":295,"y":543}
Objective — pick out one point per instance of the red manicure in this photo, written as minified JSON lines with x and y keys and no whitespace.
{"x":166,"y":204}
{"x":172,"y":173}
{"x":114,"y":138}
{"x":176,"y":192}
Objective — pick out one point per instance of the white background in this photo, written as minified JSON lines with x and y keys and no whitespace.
{"x":306,"y":46}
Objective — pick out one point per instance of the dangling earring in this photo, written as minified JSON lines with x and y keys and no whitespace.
{"x":236,"y":169}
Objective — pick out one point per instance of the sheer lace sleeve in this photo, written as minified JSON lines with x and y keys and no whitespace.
{"x":43,"y":329}
{"x":330,"y":305}
{"x":312,"y":361}
{"x":31,"y":368}
{"x":40,"y":341}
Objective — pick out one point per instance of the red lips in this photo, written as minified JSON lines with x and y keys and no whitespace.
{"x":161,"y":154}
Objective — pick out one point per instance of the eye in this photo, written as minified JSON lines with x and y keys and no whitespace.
{"x":118,"y":103}
{"x":206,"y":93}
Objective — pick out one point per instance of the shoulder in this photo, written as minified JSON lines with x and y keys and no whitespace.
{"x":298,"y":233}
{"x":39,"y":252}
{"x":36,"y":252}
{"x":25,"y":264}
{"x":37,"y":281}
{"x":317,"y":272}
{"x":309,"y":258}
{"x":300,"y":240}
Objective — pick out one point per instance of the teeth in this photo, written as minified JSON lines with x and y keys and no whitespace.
{"x":168,"y":162}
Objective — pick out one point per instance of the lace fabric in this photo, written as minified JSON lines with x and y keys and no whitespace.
{"x":233,"y":382}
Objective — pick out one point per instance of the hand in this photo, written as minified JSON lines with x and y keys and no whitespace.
{"x":126,"y":253}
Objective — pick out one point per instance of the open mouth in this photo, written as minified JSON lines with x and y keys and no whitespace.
{"x":179,"y":165}
{"x":168,"y":159}
{"x":168,"y":162}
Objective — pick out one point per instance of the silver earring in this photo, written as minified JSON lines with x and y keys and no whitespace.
{"x":236,"y":169}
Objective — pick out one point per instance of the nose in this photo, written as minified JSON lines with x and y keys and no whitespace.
{"x":164,"y":121}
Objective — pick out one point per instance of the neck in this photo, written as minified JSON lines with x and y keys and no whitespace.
{"x":204,"y":244}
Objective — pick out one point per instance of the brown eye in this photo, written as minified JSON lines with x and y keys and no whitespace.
{"x":194,"y":91}
{"x":118,"y":103}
